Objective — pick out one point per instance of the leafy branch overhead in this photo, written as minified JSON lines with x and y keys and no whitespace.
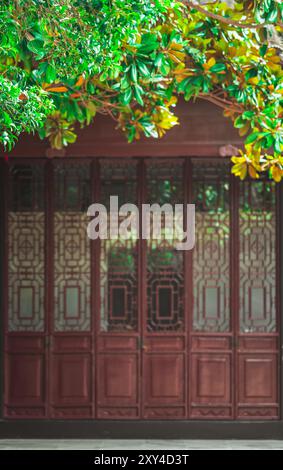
{"x":63,"y":61}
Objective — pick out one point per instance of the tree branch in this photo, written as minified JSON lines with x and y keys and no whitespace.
{"x":229,"y":21}
{"x":222,"y":103}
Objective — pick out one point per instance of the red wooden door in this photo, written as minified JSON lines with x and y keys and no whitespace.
{"x":127,"y":329}
{"x":48,"y":324}
{"x":71,"y":387}
{"x":118,"y":329}
{"x":211,"y":330}
{"x":257,"y":322}
{"x":234,"y":333}
{"x":142,"y":337}
{"x":24,"y":301}
{"x":164,"y":385}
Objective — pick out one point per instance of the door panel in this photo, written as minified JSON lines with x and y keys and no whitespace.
{"x":71,"y":342}
{"x":165,"y":382}
{"x":211,"y":352}
{"x":212,"y":374}
{"x":118,"y":326}
{"x":164,"y":357}
{"x":257,"y":321}
{"x":26,"y":384}
{"x":71,"y":378}
{"x":25,"y":321}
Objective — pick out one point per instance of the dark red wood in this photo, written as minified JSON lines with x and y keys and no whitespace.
{"x":188,"y":293}
{"x":258,"y":351}
{"x":142,"y":294}
{"x":234,"y":287}
{"x":95,"y":285}
{"x":203,"y":132}
{"x":25,"y":354}
{"x":118,"y":350}
{"x":164,"y":352}
{"x":71,"y":347}
{"x":211,"y":369}
{"x":141,"y":373}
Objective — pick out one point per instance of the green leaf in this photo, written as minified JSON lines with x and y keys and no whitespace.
{"x":248,"y":115}
{"x":50,"y":74}
{"x":252,"y":138}
{"x":37,"y":47}
{"x":251,"y":73}
{"x":143,"y":69}
{"x":148,"y":44}
{"x":134,"y":73}
{"x":127,"y":96}
{"x":262,"y":50}
{"x":218,"y":68}
{"x":239,"y":122}
{"x":272,"y":16}
{"x":278,"y":144}
{"x":138,"y":91}
{"x":159,"y":59}
{"x":165,"y":67}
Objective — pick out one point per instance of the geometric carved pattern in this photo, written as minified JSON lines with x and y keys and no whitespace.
{"x":118,"y":285}
{"x":165,"y":288}
{"x":71,"y":249}
{"x":26,"y":250}
{"x":164,"y":357}
{"x":118,"y":257}
{"x":257,"y":257}
{"x":211,"y":252}
{"x":165,"y":273}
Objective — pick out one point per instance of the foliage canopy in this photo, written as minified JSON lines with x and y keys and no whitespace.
{"x":63,"y":61}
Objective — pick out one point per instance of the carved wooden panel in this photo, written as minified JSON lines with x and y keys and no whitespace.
{"x":118,"y":374}
{"x":211,"y":261}
{"x":71,"y":248}
{"x":25,"y":386}
{"x":26,"y":274}
{"x":164,"y":382}
{"x":118,"y":257}
{"x":258,"y":381}
{"x":71,"y":379}
{"x":25,"y":379}
{"x":257,"y":257}
{"x":212,"y":378}
{"x":165,"y":276}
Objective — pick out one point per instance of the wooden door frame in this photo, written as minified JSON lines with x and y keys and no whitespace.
{"x":132,"y":428}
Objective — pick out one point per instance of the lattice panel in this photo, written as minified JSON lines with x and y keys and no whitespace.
{"x":26,"y":249}
{"x":119,"y":179}
{"x":72,"y":270}
{"x":118,"y":258}
{"x":211,"y":251}
{"x":257,"y":257}
{"x":165,"y":273}
{"x":118,"y":286}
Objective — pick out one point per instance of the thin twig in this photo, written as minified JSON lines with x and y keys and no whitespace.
{"x":220,"y":102}
{"x":229,"y":21}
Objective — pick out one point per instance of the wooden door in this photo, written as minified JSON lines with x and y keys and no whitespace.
{"x":164,"y":384}
{"x":234,"y":331}
{"x":118,"y":327}
{"x":142,"y":335}
{"x":211,"y":328}
{"x":71,"y":345}
{"x":135,"y":329}
{"x":257,"y":322}
{"x":25,"y":319}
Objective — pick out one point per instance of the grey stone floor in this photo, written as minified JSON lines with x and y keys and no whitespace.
{"x":154,"y":444}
